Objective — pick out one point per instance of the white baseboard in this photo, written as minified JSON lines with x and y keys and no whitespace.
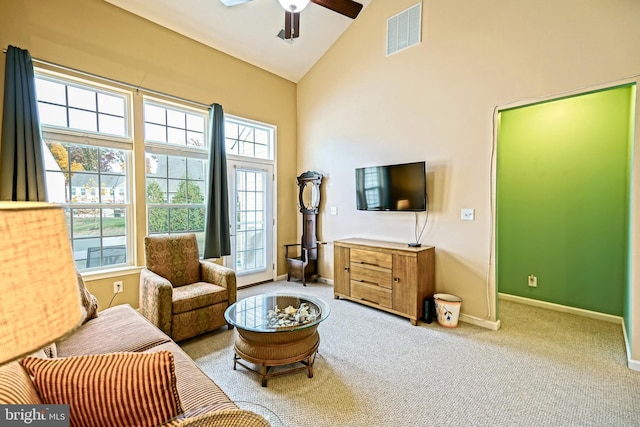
{"x":489,"y":324}
{"x":319,"y":279}
{"x":631,"y":363}
{"x":562,"y":308}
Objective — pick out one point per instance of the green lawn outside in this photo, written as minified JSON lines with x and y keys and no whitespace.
{"x":91,"y":226}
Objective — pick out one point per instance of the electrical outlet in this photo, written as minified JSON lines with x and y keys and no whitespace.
{"x":118,"y":287}
{"x":533,"y":281}
{"x":467,"y":214}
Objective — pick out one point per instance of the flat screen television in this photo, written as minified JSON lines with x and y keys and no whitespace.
{"x":401,"y":187}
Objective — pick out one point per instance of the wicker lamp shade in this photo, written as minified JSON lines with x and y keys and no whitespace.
{"x":39,"y":297}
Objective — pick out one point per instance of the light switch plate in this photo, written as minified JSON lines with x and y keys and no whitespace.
{"x":467,"y":214}
{"x":334,"y":210}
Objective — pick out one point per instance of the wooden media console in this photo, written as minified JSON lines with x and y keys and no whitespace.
{"x":388,"y":276}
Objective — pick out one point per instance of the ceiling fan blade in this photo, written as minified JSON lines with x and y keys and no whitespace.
{"x":291,"y":25}
{"x":229,"y":3}
{"x":348,"y":8}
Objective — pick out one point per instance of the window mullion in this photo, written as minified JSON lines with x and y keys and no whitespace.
{"x":186,"y":140}
{"x":66,"y":101}
{"x":95,"y":95}
{"x":166,"y":125}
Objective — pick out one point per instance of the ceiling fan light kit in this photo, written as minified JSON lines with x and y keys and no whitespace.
{"x":292,"y":8}
{"x":230,"y":3}
{"x":293,"y":5}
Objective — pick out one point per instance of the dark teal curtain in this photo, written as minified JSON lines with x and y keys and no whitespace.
{"x":22,"y":173}
{"x":216,"y":233}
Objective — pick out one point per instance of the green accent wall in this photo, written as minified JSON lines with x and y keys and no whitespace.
{"x":562,"y":202}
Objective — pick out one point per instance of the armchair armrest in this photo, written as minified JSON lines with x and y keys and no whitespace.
{"x":303,"y":251}
{"x":219,"y":275}
{"x":156,"y":303}
{"x":286,"y":248}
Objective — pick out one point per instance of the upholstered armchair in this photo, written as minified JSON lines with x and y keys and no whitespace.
{"x":181,"y":294}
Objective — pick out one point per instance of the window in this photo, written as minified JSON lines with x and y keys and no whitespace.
{"x":372,"y":187}
{"x":87,"y":157}
{"x":248,"y":139}
{"x":87,"y":132}
{"x":176,"y":154}
{"x":170,"y":125}
{"x":67,"y":105}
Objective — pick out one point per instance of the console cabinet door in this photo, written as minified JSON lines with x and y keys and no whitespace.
{"x":405,"y":271}
{"x":341,"y":273}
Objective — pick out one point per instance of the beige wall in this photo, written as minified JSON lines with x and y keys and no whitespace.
{"x":99,"y":38}
{"x":435,"y":102}
{"x":356,"y":107}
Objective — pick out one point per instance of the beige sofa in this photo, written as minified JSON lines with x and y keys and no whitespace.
{"x":123,"y":329}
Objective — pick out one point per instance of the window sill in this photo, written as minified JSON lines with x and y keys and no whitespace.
{"x":111,"y":273}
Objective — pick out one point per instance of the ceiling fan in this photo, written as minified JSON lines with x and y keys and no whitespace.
{"x":348,"y":8}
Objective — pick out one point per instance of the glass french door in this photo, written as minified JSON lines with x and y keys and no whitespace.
{"x":251,"y":221}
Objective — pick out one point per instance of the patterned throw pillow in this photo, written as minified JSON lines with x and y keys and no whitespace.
{"x":50,"y":350}
{"x":89,"y":302}
{"x":115,"y":389}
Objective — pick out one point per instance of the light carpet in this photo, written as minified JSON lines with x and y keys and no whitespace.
{"x":542,"y":368}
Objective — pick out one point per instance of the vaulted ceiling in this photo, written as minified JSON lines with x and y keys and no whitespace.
{"x":249,"y":31}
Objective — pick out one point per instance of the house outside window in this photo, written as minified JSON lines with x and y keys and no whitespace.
{"x":86,"y":133}
{"x":176,"y":152}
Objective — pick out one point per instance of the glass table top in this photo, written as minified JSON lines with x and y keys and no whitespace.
{"x":261,"y":410}
{"x":277,"y":312}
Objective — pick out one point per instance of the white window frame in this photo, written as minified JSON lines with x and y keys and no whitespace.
{"x":97,"y":87}
{"x":270,"y":165}
{"x":180,"y":151}
{"x":98,"y":140}
{"x":270,"y":129}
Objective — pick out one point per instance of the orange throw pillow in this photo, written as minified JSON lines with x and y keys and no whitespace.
{"x":116,"y":389}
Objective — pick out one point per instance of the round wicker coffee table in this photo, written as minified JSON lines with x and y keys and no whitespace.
{"x":276,"y":330}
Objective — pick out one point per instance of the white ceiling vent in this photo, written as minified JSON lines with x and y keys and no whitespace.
{"x":404,"y":29}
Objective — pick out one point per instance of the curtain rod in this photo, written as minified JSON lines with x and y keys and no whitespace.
{"x":118,"y":82}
